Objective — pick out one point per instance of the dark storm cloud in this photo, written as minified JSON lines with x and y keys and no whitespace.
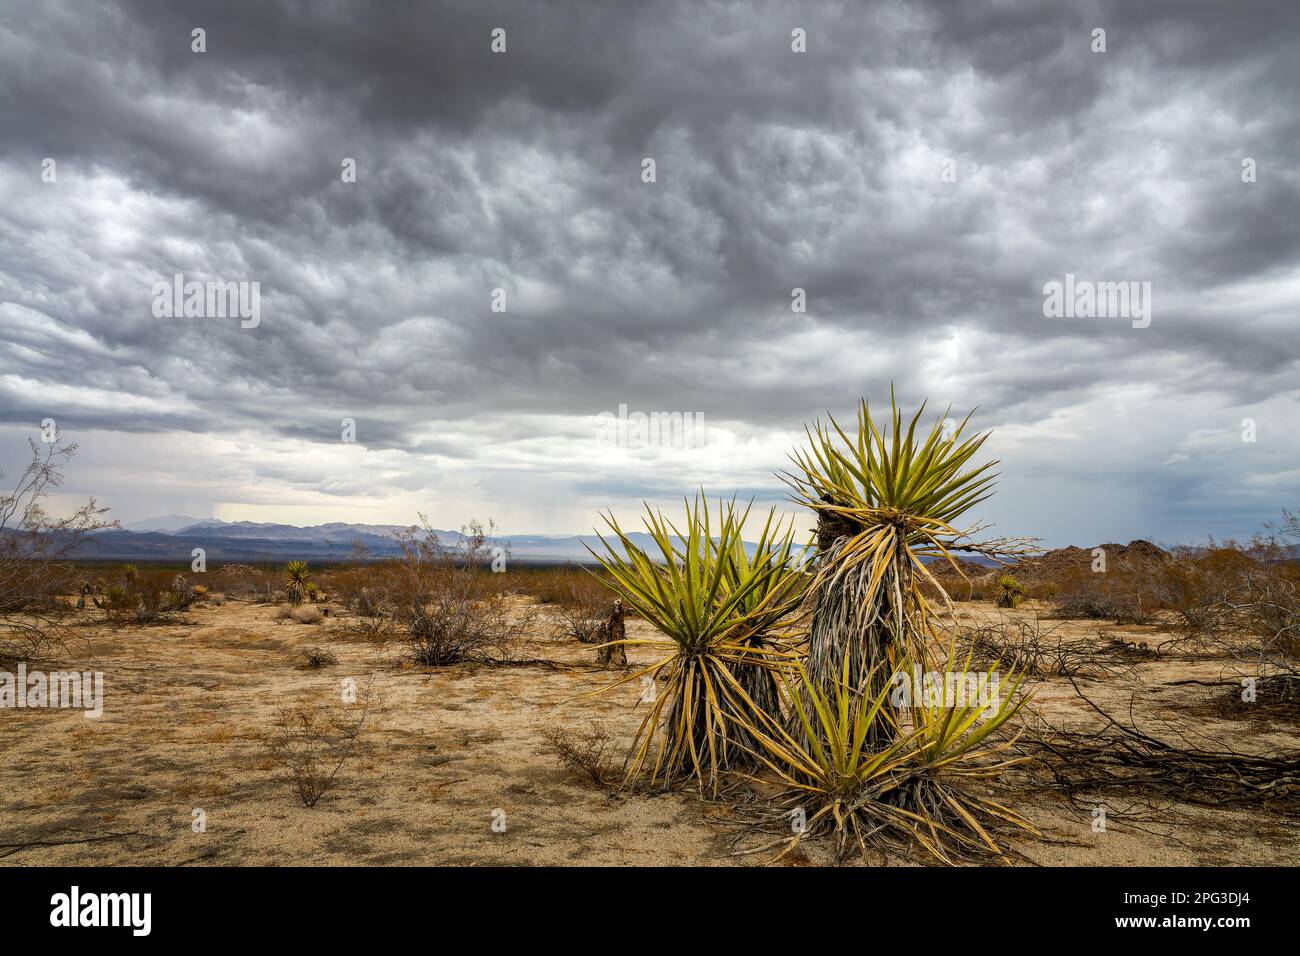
{"x":521,"y":171}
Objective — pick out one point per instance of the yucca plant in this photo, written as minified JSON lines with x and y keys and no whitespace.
{"x":911,"y":787}
{"x":717,"y":604}
{"x":886,"y":501}
{"x":1010,"y":591}
{"x":296,"y":581}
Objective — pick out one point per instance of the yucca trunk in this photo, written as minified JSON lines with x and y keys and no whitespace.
{"x":877,"y":629}
{"x":759,"y":683}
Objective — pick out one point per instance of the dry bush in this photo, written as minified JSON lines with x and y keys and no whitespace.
{"x":314,"y":657}
{"x":1123,"y":757}
{"x":312,"y":741}
{"x":586,"y":755}
{"x":1114,"y":595}
{"x":306,"y":614}
{"x":34,"y":553}
{"x":457,"y":623}
{"x":443,"y":601}
{"x":583,"y":616}
{"x":1023,"y":645}
{"x":242,"y":581}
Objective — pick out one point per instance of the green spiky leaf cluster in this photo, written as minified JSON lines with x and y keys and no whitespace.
{"x":716,"y":601}
{"x":906,"y":790}
{"x":892,"y":486}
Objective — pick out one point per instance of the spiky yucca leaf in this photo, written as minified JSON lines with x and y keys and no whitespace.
{"x":716,"y":603}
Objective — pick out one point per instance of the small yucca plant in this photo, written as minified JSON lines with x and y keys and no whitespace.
{"x":1010,"y":591}
{"x":911,"y":788}
{"x":296,"y":581}
{"x":717,"y":603}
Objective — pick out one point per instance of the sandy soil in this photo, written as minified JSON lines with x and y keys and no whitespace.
{"x":187,"y":705}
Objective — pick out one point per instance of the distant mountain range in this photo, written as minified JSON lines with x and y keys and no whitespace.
{"x":173,"y":538}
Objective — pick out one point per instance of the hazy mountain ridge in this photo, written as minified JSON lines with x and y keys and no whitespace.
{"x":266,"y":541}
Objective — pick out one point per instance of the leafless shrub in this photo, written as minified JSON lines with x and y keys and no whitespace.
{"x":586,"y":755}
{"x":1022,"y":645}
{"x":313,"y":656}
{"x":241,"y":581}
{"x":34,"y":554}
{"x":443,"y":600}
{"x":582,"y":617}
{"x":312,"y":741}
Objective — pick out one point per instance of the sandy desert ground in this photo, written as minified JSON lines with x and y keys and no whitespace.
{"x":187,"y":705}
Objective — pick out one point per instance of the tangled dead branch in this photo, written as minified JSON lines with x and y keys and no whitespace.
{"x":1123,"y":757}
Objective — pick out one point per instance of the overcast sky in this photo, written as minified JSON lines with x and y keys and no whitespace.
{"x":774,"y":170}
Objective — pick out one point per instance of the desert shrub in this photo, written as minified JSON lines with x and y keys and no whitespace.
{"x":1190,"y":585}
{"x":312,"y":741}
{"x":118,"y":604}
{"x":313,"y":656}
{"x":588,"y":755}
{"x":1114,"y":595}
{"x":306,"y":614}
{"x":443,"y":601}
{"x":1023,"y":647}
{"x":240,"y":580}
{"x":582,"y":617}
{"x":35,"y":555}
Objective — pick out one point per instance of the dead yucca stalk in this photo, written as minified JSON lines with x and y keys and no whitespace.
{"x":717,"y":603}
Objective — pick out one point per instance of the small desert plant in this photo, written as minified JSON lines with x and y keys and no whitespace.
{"x":586,"y":755}
{"x":296,"y":581}
{"x":1010,"y":591}
{"x":306,"y":615}
{"x":312,"y":742}
{"x":314,"y":657}
{"x":118,"y":604}
{"x":444,"y":601}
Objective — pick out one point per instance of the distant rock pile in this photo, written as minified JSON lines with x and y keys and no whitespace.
{"x":1071,"y":561}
